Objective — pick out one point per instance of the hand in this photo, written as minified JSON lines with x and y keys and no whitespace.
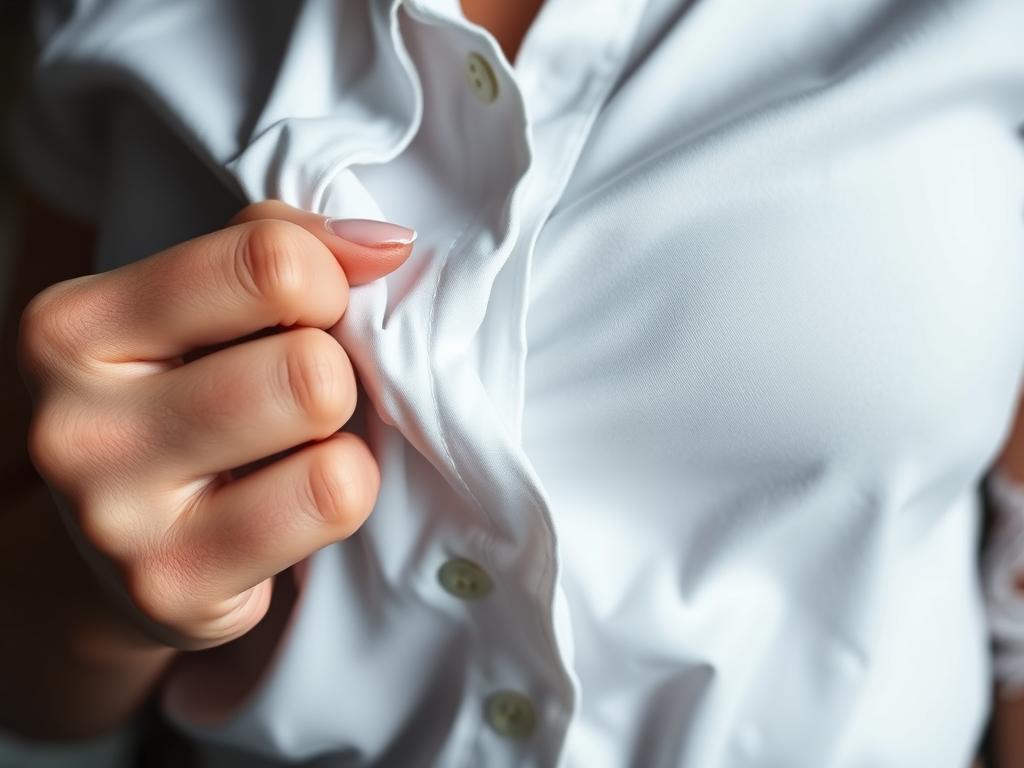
{"x":136,"y":431}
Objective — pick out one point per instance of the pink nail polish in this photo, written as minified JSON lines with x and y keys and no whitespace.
{"x":370,"y":232}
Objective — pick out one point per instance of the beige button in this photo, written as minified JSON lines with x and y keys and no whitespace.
{"x":511,"y":714}
{"x":481,"y":78}
{"x":464,"y":578}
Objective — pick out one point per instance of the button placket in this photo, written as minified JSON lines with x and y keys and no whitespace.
{"x":509,"y":658}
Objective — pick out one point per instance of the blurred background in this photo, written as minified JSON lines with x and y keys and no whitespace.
{"x":117,"y":749}
{"x":13,"y":62}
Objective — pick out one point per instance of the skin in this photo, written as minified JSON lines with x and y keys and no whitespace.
{"x":158,"y":546}
{"x":508,"y":22}
{"x":158,"y":390}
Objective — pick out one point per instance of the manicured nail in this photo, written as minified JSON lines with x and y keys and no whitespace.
{"x":370,"y":232}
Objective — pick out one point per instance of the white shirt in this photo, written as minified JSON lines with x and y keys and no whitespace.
{"x":713,"y":325}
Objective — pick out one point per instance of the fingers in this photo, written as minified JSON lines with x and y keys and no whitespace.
{"x":256,"y":526}
{"x":365,"y":250}
{"x":215,"y":288}
{"x":262,"y":272}
{"x":252,"y":400}
{"x":136,"y":448}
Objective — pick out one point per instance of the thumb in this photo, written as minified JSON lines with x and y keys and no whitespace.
{"x":366,"y":249}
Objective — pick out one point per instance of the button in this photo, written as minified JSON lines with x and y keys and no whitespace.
{"x":481,"y":78}
{"x":511,"y":714}
{"x":464,"y":578}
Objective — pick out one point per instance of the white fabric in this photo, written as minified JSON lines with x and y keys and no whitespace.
{"x":713,"y":325}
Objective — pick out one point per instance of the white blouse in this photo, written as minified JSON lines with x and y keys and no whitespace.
{"x":713,"y":327}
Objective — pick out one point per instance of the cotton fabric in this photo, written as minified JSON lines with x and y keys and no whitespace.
{"x":712,"y":328}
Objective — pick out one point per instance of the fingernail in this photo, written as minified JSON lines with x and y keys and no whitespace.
{"x":370,"y":232}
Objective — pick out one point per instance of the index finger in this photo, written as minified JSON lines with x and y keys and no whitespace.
{"x":258,"y":273}
{"x":365,"y":249}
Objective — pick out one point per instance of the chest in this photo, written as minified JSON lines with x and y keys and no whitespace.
{"x":781,"y":290}
{"x":833,"y":273}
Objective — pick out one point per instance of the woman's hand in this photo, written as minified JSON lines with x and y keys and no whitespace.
{"x":136,"y":431}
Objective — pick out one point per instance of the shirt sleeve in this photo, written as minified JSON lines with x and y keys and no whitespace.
{"x":49,"y":152}
{"x":133,"y":110}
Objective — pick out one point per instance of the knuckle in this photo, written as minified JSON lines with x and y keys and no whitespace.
{"x":52,"y":328}
{"x":225,"y":620}
{"x":79,"y":451}
{"x":269,"y":263}
{"x":340,"y":494}
{"x":103,"y":528}
{"x":70,"y":441}
{"x":170,"y":587}
{"x":154,"y":591}
{"x":319,"y":378}
{"x":48,"y":445}
{"x":115,"y":440}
